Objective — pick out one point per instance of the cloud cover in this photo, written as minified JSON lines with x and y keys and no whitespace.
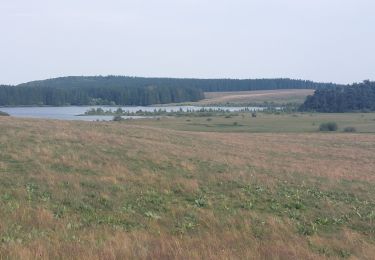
{"x":322,"y":40}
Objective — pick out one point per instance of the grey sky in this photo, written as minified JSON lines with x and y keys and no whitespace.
{"x":321,"y":40}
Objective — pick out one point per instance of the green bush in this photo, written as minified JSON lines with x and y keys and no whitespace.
{"x":3,"y":113}
{"x":330,"y":126}
{"x":350,"y":129}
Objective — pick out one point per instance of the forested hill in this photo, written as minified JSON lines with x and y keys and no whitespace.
{"x":121,"y":90}
{"x":207,"y":85}
{"x":356,"y":97}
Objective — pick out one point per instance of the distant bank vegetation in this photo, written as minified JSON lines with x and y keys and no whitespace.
{"x":3,"y":113}
{"x":202,"y":112}
{"x":121,"y":90}
{"x":357,"y":97}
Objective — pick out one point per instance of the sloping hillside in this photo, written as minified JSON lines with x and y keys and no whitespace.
{"x":109,"y":190}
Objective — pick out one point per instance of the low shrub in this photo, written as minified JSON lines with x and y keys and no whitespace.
{"x":350,"y":129}
{"x":3,"y":113}
{"x":329,"y":126}
{"x":117,"y":118}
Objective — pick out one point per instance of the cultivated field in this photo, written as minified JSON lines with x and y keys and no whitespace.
{"x":134,"y":190}
{"x":281,"y":96}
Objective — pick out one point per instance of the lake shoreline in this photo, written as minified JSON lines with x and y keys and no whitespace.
{"x":72,"y":112}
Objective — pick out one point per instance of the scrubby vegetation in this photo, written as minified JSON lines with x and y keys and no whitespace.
{"x":117,"y":118}
{"x":3,"y":113}
{"x":329,"y":126}
{"x":202,"y":112}
{"x":350,"y":129}
{"x":357,"y":97}
{"x":118,"y":191}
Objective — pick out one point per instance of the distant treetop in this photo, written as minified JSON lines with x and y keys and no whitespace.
{"x":123,"y":90}
{"x":356,"y":97}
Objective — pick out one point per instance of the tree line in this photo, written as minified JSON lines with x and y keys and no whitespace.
{"x":95,"y":95}
{"x":356,"y":97}
{"x":122,"y":90}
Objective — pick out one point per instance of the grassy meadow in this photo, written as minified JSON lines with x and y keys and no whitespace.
{"x":270,"y":187}
{"x":263,"y":122}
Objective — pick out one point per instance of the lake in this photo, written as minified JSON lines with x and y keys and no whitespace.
{"x":72,"y":112}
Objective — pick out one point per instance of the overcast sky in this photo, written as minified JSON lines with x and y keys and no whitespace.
{"x":321,"y":40}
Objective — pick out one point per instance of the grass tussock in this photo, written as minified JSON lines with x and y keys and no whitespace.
{"x":114,"y":191}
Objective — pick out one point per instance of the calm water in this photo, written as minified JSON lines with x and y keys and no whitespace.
{"x":72,"y":112}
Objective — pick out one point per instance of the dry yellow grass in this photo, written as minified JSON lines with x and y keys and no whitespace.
{"x":257,"y":96}
{"x":79,"y":190}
